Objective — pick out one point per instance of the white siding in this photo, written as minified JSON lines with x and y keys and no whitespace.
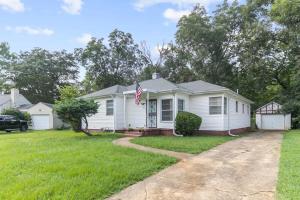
{"x":199,"y":105}
{"x":100,"y":120}
{"x":237,"y":119}
{"x":119,"y":112}
{"x":258,"y":120}
{"x":135,"y":114}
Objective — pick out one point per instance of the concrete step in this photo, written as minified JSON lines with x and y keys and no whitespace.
{"x":133,"y":133}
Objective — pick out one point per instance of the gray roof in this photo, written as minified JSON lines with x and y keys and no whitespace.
{"x":202,"y":86}
{"x":162,"y":85}
{"x":158,"y":85}
{"x":116,"y":89}
{"x":4,"y":98}
{"x":27,"y":106}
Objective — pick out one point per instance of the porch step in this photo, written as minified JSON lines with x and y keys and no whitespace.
{"x":132,"y":134}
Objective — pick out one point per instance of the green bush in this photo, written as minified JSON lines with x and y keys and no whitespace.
{"x":17,"y":113}
{"x":187,"y":123}
{"x":75,"y":112}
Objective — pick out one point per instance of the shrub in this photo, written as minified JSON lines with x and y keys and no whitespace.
{"x":75,"y":112}
{"x":187,"y":123}
{"x":17,"y":113}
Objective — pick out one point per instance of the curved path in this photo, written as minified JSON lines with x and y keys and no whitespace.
{"x":126,"y":143}
{"x":244,"y":169}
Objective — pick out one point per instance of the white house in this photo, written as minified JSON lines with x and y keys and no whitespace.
{"x":222,"y":110}
{"x":271,"y":117}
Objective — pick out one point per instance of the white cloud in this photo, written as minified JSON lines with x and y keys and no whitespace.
{"x":12,"y":5}
{"x":84,"y":38}
{"x":174,"y":15}
{"x":141,"y":4}
{"x":30,"y":31}
{"x":72,"y":6}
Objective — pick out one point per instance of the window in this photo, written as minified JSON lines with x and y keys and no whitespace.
{"x":248,"y":109}
{"x":215,"y":105}
{"x":243,"y":108}
{"x":109,"y":107}
{"x":236,"y":106}
{"x":225,"y":105}
{"x":166,"y":110}
{"x":180,"y":105}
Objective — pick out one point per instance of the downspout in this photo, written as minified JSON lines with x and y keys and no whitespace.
{"x":228,"y":121}
{"x":174,"y":115}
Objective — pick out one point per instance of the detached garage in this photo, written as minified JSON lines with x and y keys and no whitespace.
{"x":271,"y":117}
{"x":43,"y":116}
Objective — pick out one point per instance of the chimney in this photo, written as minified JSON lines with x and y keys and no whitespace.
{"x":237,"y":91}
{"x":14,"y":93}
{"x":155,"y":75}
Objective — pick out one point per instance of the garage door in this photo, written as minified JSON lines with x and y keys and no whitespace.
{"x":40,"y":122}
{"x":272,"y":122}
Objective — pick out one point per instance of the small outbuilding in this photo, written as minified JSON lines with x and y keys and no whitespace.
{"x":271,"y":117}
{"x":43,"y":116}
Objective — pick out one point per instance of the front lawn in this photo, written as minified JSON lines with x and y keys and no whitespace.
{"x":288,"y":186}
{"x":68,"y":165}
{"x":196,"y":144}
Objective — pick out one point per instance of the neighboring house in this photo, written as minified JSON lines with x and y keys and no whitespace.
{"x":43,"y":116}
{"x":271,"y":117}
{"x":222,"y":110}
{"x":13,"y":100}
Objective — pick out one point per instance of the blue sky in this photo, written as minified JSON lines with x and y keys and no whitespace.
{"x":68,"y":24}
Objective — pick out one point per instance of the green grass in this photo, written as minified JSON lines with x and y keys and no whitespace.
{"x":196,"y":144}
{"x":67,"y":165}
{"x":288,"y":186}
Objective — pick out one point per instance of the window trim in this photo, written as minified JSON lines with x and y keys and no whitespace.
{"x":209,"y":106}
{"x":225,"y":108}
{"x":112,"y":107}
{"x":183,"y":105}
{"x":243,"y":108}
{"x":171,"y":109}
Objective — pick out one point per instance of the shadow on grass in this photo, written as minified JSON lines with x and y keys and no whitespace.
{"x":11,"y":133}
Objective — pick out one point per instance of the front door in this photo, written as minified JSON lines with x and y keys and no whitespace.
{"x":152,"y":113}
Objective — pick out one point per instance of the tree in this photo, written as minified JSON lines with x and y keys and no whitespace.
{"x":38,"y":73}
{"x":286,"y":12}
{"x":76,"y":112}
{"x":68,"y":92}
{"x":204,"y":44}
{"x":6,"y":60}
{"x":118,"y":63}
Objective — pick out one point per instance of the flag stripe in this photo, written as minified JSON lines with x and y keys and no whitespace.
{"x":138,"y":93}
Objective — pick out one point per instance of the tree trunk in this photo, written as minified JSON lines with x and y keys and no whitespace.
{"x":86,"y":130}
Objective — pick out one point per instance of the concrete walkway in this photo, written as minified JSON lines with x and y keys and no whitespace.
{"x":126,"y":143}
{"x":244,"y":168}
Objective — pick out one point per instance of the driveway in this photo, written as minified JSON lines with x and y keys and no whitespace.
{"x":244,"y":168}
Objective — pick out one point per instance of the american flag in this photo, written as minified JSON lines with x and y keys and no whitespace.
{"x":138,"y":93}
